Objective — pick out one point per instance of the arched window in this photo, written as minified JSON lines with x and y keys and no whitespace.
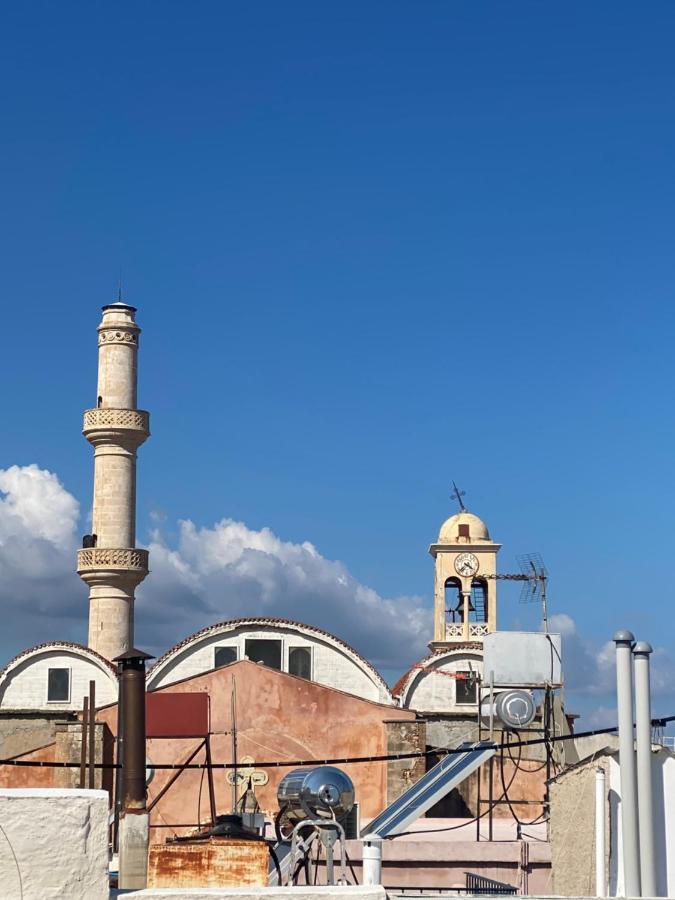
{"x":478,"y":611}
{"x":453,"y":600}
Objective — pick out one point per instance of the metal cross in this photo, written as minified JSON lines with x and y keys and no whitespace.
{"x":457,"y":495}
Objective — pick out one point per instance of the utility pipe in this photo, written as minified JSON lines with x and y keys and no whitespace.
{"x":629,"y":813}
{"x":372,"y":859}
{"x":643,"y":734}
{"x":600,"y":883}
{"x":132,"y":695}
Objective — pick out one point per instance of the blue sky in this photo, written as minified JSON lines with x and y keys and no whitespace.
{"x":374,"y":247}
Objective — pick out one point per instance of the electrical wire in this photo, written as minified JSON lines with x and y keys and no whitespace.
{"x":351,"y":868}
{"x":520,"y":823}
{"x":456,"y":827}
{"x":199,"y":799}
{"x":275,"y":860}
{"x":342,"y":760}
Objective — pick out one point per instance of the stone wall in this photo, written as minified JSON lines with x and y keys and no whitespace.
{"x":21,"y":732}
{"x":69,"y":749}
{"x":404,"y":737}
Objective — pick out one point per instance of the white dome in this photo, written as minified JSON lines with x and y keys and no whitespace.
{"x":478,"y":533}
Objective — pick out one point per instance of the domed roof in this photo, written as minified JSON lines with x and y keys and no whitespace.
{"x":450,"y":530}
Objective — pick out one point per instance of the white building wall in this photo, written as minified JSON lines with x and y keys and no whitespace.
{"x":663,"y":780}
{"x":331,"y":665}
{"x":25,"y":686}
{"x":433,"y":691}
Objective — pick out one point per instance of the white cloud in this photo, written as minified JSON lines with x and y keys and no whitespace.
{"x":210,"y":574}
{"x":34,"y":505}
{"x":600,"y":717}
{"x":41,"y":597}
{"x":230,"y":570}
{"x":590,"y":671}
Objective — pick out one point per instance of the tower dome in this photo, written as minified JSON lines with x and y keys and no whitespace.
{"x":464,"y":528}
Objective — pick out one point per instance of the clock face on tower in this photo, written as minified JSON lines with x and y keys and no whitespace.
{"x":466,"y":564}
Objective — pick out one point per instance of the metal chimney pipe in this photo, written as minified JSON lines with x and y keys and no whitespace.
{"x":629,"y":811}
{"x":643,"y":734}
{"x":600,"y":882}
{"x":134,"y":824}
{"x":132,"y":697}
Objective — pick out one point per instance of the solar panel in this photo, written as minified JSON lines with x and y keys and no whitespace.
{"x":430,"y":788}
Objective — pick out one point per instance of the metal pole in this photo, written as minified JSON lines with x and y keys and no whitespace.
{"x":209,"y":776}
{"x":92,"y":733}
{"x":643,"y":734}
{"x":600,"y":885}
{"x":83,"y":748}
{"x":233,"y":711}
{"x":491,"y":766}
{"x":629,"y":812}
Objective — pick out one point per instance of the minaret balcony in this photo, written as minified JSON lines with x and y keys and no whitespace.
{"x":132,"y":561}
{"x":105,"y":423}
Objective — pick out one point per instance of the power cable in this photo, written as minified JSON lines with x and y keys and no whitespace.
{"x":341,"y":760}
{"x":456,"y":827}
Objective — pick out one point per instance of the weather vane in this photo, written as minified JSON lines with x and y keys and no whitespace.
{"x":457,"y":495}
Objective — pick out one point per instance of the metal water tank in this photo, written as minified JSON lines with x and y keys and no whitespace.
{"x":322,"y":792}
{"x":512,"y":709}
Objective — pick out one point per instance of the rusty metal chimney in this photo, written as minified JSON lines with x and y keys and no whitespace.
{"x":133,"y":827}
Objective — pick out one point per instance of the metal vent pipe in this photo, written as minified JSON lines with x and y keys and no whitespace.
{"x":629,"y":809}
{"x":643,"y":734}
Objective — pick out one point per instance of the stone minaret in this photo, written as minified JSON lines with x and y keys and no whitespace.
{"x":109,"y":562}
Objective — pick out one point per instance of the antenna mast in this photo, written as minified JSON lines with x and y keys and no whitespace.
{"x":534,"y":576}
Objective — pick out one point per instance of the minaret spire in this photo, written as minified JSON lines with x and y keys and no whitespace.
{"x":109,"y":562}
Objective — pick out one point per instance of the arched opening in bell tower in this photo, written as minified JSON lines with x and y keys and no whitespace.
{"x":453,"y":600}
{"x":478,"y":607}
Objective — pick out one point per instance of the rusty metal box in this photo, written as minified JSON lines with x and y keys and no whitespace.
{"x":215,"y":862}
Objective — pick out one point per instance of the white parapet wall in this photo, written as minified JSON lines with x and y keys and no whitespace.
{"x":53,"y":844}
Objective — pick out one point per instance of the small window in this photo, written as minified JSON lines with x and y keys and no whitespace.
{"x":465,"y":687}
{"x":223,"y":656}
{"x":463,"y":529}
{"x":300,"y":662}
{"x":263,"y":650}
{"x":58,"y":685}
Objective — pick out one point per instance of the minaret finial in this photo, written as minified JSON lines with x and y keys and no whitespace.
{"x":457,"y":495}
{"x":119,"y":289}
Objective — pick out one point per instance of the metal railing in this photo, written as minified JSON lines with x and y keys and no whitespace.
{"x":478,"y":884}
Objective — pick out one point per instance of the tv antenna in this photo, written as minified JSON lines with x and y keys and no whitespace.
{"x":534,"y":576}
{"x":457,"y":495}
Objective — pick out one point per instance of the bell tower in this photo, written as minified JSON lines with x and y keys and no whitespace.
{"x":465,"y":592}
{"x":110,"y":563}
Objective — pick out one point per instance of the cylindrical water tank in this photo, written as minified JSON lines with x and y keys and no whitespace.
{"x":511,"y":709}
{"x":322,"y":792}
